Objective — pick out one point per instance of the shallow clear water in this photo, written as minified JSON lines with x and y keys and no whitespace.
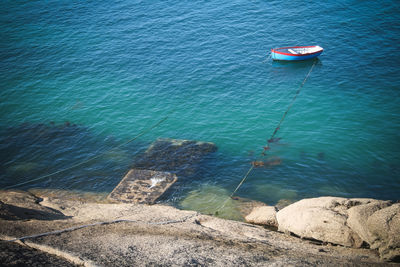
{"x":114,"y":69}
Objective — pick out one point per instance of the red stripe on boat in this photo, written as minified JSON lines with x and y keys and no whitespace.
{"x":295,"y":55}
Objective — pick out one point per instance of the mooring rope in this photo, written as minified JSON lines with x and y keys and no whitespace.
{"x":268,"y":57}
{"x":270,"y":140}
{"x":95,"y":157}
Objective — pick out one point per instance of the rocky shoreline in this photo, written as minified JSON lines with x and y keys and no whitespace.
{"x":59,"y":230}
{"x":356,"y":222}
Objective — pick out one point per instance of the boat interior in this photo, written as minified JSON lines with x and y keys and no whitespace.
{"x":300,"y":50}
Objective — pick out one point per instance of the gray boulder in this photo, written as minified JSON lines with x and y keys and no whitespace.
{"x":321,"y":218}
{"x":263,"y":215}
{"x":384,"y":229}
{"x":347,"y":222}
{"x":358,"y":216}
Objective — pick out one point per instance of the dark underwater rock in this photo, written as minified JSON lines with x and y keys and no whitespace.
{"x":172,"y":155}
{"x":32,"y":150}
{"x":157,"y":168}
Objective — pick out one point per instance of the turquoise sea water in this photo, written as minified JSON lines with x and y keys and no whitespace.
{"x":80,"y":78}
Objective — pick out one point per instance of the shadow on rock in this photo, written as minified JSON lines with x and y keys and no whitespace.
{"x":14,"y":213}
{"x":20,"y":205}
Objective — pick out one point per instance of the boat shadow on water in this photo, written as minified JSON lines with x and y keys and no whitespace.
{"x":295,"y":65}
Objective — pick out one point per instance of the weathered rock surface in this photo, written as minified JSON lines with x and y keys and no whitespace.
{"x":13,"y":254}
{"x":20,"y":205}
{"x":347,"y":222}
{"x":264,"y":215}
{"x":358,"y":216}
{"x":384,"y":228}
{"x":142,"y":235}
{"x":319,"y":218}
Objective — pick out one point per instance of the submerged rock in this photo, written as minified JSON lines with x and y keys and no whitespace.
{"x":29,"y":150}
{"x":273,"y":192}
{"x":172,"y":155}
{"x":156,"y":170}
{"x":212,"y":200}
{"x":247,"y":205}
{"x":282,"y":203}
{"x":22,"y":167}
{"x":271,"y":162}
{"x":117,"y":155}
{"x":332,"y":190}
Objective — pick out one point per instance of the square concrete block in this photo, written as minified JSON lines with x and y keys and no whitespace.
{"x":142,"y":186}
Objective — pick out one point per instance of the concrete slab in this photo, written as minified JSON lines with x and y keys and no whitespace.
{"x":142,"y":186}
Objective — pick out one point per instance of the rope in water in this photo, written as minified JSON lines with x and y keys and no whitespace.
{"x":95,"y":157}
{"x":270,"y":140}
{"x":268,"y":57}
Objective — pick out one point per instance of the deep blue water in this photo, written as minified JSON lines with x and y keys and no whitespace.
{"x":113,"y":69}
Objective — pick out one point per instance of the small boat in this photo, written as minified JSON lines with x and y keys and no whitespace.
{"x":296,"y":52}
